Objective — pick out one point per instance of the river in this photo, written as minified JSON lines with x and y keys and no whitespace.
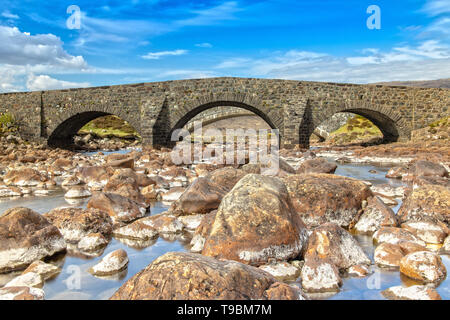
{"x":74,"y":282}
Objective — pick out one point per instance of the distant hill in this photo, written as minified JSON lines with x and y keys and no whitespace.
{"x":441,"y":83}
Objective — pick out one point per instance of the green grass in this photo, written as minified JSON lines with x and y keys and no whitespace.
{"x":109,"y":126}
{"x":7,"y":122}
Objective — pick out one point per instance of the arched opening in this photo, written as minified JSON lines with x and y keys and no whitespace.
{"x":355,"y":127}
{"x":94,"y":130}
{"x":224,"y":115}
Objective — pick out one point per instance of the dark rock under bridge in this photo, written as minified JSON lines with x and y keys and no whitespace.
{"x":155,"y":109}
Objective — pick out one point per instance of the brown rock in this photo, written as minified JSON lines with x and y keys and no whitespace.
{"x":331,"y":242}
{"x":255,"y":223}
{"x":427,"y":203}
{"x":188,"y":276}
{"x":317,"y":165}
{"x":26,"y":236}
{"x":24,"y":177}
{"x":119,"y":208}
{"x":375,"y":215}
{"x":202,"y":196}
{"x":424,"y":266}
{"x":121,"y":183}
{"x":76,"y":223}
{"x":321,"y":198}
{"x":427,"y":231}
{"x":226,"y":177}
{"x":395,"y":235}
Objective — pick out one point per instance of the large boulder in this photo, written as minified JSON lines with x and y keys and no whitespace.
{"x":423,"y":266}
{"x":110,"y":264}
{"x":395,"y":235}
{"x":255,"y":223}
{"x":376,"y":215}
{"x":427,"y":231}
{"x":320,"y":275}
{"x":125,"y":185}
{"x":426,"y":203}
{"x":189,"y":276}
{"x":427,"y":168}
{"x":202,"y":196}
{"x":21,"y":293}
{"x":26,"y":236}
{"x":411,"y":293}
{"x":77,"y":223}
{"x":321,"y":198}
{"x":329,"y":241}
{"x":316,"y":165}
{"x":388,"y":255}
{"x":26,"y":177}
{"x":226,"y":177}
{"x":119,"y":208}
{"x":95,"y":175}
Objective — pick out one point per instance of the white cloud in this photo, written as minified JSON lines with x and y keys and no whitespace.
{"x":22,"y":48}
{"x":158,"y":55}
{"x":8,"y":15}
{"x":204,"y":45}
{"x":223,"y":12}
{"x":44,"y":82}
{"x":436,"y":7}
{"x":23,"y":54}
{"x":429,"y":60}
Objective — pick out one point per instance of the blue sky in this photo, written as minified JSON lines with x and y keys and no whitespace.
{"x":154,"y":40}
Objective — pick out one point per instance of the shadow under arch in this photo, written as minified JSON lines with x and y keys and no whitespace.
{"x":62,"y":136}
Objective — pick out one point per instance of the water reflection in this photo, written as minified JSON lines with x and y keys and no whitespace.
{"x":74,"y":282}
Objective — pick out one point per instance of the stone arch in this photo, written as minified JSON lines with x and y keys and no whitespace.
{"x":66,"y":125}
{"x":390,"y":122}
{"x":193,"y":106}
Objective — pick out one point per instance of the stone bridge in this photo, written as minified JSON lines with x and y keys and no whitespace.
{"x":155,"y":109}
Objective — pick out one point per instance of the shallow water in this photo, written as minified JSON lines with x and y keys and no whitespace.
{"x":74,"y":282}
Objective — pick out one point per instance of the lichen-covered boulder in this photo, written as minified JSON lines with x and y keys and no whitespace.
{"x":226,"y":177}
{"x":21,"y":293}
{"x":375,"y":215}
{"x":411,"y":293}
{"x":426,"y":203}
{"x":424,"y":266}
{"x":395,"y":235}
{"x":119,"y":208}
{"x":189,"y":276}
{"x":124,"y":184}
{"x":76,"y":223}
{"x":25,"y":177}
{"x":329,"y":241}
{"x":110,"y":264}
{"x":320,"y":275}
{"x":256,"y":222}
{"x":202,"y":196}
{"x":321,"y":198}
{"x":26,"y":236}
{"x":427,"y":231}
{"x":316,"y":165}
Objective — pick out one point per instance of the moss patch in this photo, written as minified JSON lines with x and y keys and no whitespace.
{"x":357,"y":130}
